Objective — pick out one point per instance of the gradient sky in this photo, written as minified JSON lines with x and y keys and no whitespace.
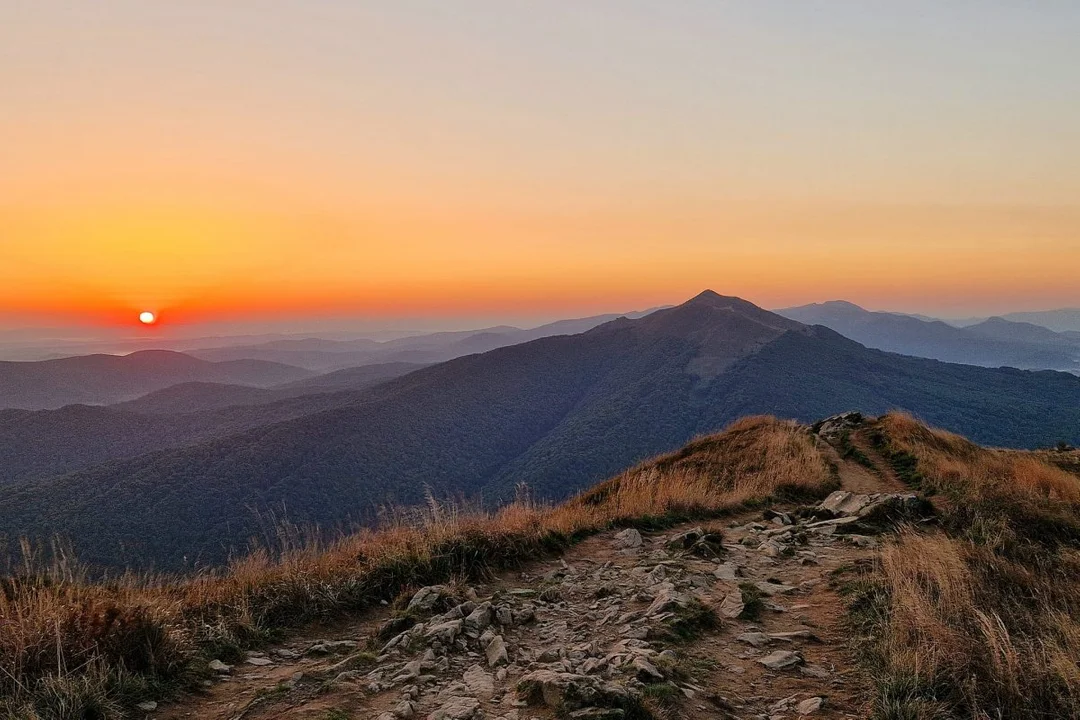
{"x":242,"y":160}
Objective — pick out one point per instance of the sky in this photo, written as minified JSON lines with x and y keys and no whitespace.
{"x":250,"y":161}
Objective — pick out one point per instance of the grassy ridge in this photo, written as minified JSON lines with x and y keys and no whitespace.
{"x":982,"y":619}
{"x":74,"y":649}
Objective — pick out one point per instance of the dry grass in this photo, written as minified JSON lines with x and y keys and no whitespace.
{"x":978,"y":621}
{"x":74,"y":649}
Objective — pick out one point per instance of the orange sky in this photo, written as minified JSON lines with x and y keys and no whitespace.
{"x":509,"y":159}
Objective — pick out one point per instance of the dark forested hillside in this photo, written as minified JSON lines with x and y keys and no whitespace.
{"x":558,"y":413}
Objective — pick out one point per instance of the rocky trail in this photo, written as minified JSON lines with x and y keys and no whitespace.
{"x":735,"y":618}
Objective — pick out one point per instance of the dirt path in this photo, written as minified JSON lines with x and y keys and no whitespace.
{"x":619,"y":617}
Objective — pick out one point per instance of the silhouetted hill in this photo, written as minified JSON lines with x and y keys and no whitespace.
{"x":558,"y":413}
{"x":106,"y":379}
{"x":989,"y":344}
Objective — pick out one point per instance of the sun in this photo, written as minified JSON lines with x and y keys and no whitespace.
{"x":147,"y":318}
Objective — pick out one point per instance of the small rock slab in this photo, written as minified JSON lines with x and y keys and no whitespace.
{"x":781,"y":659}
{"x":479,"y":681}
{"x":733,"y":605}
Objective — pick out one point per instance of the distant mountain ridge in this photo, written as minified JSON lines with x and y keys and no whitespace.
{"x":106,"y":379}
{"x":556,"y":413}
{"x":329,"y":355}
{"x":992,"y":343}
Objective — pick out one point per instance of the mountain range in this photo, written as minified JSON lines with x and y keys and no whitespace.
{"x":104,"y":379}
{"x":994,"y":342}
{"x":326,"y":355}
{"x":556,"y":413}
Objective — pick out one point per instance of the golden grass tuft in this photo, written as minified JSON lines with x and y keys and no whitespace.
{"x":68,"y":645}
{"x":979,"y":619}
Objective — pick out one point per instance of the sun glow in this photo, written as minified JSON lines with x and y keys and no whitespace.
{"x":147,"y":318}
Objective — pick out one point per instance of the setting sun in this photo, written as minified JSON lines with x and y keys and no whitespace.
{"x":147,"y":318}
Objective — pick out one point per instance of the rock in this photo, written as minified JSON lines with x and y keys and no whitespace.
{"x":426,"y":598}
{"x":457,"y":708}
{"x":809,"y":706}
{"x":784,"y":705}
{"x":479,"y":681}
{"x":478,"y":620}
{"x":404,"y":710}
{"x":445,"y":632}
{"x":496,"y":652}
{"x":328,"y":647}
{"x":148,"y":706}
{"x":814,"y":671}
{"x":733,"y":605}
{"x":667,"y":600}
{"x":259,"y":661}
{"x":629,"y":538}
{"x":395,"y":626}
{"x":698,"y":542}
{"x":504,"y":615}
{"x":793,"y":635}
{"x":727,"y":571}
{"x":755,"y":639}
{"x":594,"y":713}
{"x":645,"y":671}
{"x":776,"y":517}
{"x":781,"y":659}
{"x":570,"y":691}
{"x":771,"y":588}
{"x":835,"y":426}
{"x":220,"y":667}
{"x":486,"y":637}
{"x":409,"y":671}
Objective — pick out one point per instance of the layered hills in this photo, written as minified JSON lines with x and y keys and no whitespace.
{"x":995,"y":342}
{"x":557,"y":414}
{"x":105,"y":379}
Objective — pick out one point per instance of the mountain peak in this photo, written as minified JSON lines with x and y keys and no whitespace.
{"x":711,"y":298}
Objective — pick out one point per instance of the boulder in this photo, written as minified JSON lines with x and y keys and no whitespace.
{"x":629,"y":538}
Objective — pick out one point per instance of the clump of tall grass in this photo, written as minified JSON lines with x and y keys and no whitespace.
{"x":71,"y":648}
{"x":980,"y":620}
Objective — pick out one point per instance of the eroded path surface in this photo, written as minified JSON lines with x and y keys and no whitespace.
{"x":728,"y":619}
